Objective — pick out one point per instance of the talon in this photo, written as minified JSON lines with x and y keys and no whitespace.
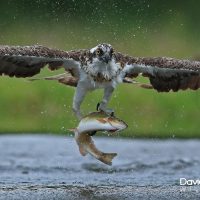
{"x":77,"y":113}
{"x":102,"y":108}
{"x":97,"y":107}
{"x":110,"y":112}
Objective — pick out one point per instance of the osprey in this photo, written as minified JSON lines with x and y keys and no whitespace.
{"x":99,"y":67}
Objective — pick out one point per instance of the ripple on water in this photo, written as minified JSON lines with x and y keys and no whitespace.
{"x":139,"y":162}
{"x":171,"y":165}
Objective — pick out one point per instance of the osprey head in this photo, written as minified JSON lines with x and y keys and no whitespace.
{"x":102,"y":52}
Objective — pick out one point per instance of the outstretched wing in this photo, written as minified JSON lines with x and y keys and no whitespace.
{"x":27,"y":61}
{"x":165,"y":74}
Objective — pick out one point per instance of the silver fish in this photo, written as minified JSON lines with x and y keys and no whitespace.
{"x":97,"y":121}
{"x":100,"y":121}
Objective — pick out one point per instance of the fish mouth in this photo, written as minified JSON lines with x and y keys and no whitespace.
{"x":113,"y":131}
{"x":118,"y":125}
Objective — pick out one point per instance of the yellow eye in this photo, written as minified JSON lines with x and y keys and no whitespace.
{"x":97,"y":51}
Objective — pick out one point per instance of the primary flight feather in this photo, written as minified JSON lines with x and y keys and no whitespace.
{"x":99,"y":67}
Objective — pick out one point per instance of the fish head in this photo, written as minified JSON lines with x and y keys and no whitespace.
{"x":117,"y":123}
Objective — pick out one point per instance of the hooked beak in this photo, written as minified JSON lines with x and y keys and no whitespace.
{"x":106,"y":58}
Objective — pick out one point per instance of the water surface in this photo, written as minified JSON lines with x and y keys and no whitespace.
{"x":45,"y":163}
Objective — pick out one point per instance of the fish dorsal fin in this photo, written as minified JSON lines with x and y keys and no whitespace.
{"x":82,"y":151}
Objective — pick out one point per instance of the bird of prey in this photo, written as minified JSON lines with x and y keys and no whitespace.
{"x":99,"y":67}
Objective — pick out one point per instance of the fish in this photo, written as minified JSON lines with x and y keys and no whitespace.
{"x":86,"y":145}
{"x":96,"y":121}
{"x":100,"y":121}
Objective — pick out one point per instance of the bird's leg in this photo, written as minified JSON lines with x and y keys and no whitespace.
{"x":78,"y":99}
{"x":102,"y":106}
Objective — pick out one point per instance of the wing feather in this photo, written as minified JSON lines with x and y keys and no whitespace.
{"x":27,"y":61}
{"x":165,"y":74}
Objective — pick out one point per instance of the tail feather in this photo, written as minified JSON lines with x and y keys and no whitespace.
{"x":142,"y":85}
{"x":55,"y":77}
{"x":107,"y":158}
{"x":146,"y":86}
{"x":64,"y":78}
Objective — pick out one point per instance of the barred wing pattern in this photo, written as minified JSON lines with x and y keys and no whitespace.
{"x":165,"y":74}
{"x":27,"y":61}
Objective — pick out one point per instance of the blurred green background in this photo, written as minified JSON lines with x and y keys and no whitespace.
{"x":139,"y":28}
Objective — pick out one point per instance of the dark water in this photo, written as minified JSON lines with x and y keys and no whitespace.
{"x":44,"y":163}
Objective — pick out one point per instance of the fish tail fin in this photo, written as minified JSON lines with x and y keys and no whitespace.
{"x":82,"y":151}
{"x":107,"y":158}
